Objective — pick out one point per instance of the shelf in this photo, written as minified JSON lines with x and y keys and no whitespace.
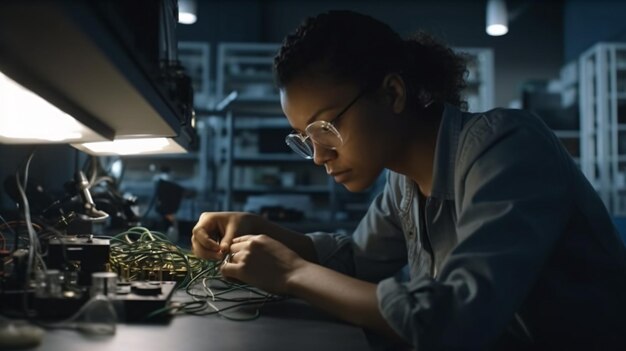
{"x":567,"y":134}
{"x":143,"y":185}
{"x":250,"y":77}
{"x":187,"y":156}
{"x":242,"y":122}
{"x":271,"y":157}
{"x":255,"y":60}
{"x":242,"y":98}
{"x":258,"y":105}
{"x":299,"y":189}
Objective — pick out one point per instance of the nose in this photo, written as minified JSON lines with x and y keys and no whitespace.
{"x":322,"y":154}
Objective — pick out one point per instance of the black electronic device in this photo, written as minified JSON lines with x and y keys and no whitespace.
{"x":84,"y":255}
{"x":136,"y":302}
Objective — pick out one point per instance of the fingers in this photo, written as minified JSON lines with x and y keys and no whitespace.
{"x":231,"y":270}
{"x":243,"y":238}
{"x":206,"y":248}
{"x":230,"y":236}
{"x":214,"y":233}
{"x":203,"y":245}
{"x":227,"y":239}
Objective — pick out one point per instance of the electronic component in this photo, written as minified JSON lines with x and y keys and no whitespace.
{"x":136,"y":301}
{"x":103,"y":283}
{"x":133,"y":302}
{"x":14,"y":269}
{"x":85,"y":255}
{"x":142,"y":255}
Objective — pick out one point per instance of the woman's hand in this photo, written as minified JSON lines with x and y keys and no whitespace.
{"x":213,"y":234}
{"x":263,"y":262}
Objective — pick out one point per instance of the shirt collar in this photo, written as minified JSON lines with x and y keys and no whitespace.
{"x":445,"y":152}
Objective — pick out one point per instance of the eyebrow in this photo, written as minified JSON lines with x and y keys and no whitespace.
{"x":318,"y":113}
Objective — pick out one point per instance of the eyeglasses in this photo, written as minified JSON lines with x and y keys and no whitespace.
{"x":322,"y":133}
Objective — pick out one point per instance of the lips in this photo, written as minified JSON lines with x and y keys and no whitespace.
{"x":335,"y":173}
{"x":339,"y":176}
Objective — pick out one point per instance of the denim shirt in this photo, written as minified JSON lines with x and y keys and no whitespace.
{"x":512,"y":249}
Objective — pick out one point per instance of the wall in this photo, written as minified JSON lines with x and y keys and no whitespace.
{"x":533,"y":49}
{"x":587,"y":22}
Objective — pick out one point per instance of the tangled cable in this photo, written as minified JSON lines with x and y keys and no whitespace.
{"x":141,"y":254}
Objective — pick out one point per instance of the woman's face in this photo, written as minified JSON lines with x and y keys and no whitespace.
{"x":369,"y":140}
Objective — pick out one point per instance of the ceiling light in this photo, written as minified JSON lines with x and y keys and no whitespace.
{"x":26,"y":118}
{"x":187,"y":11}
{"x":138,"y":146}
{"x":497,"y":18}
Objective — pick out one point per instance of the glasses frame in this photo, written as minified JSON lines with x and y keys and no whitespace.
{"x":305,"y":147}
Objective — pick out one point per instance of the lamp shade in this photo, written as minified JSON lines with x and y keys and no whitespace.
{"x":497,"y":18}
{"x":187,"y":11}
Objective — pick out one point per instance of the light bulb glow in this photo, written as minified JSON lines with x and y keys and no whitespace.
{"x":187,"y":18}
{"x":497,"y":30}
{"x":25,"y":117}
{"x":187,"y":11}
{"x":136,"y":146}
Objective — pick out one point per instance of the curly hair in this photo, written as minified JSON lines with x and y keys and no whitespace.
{"x":349,"y":46}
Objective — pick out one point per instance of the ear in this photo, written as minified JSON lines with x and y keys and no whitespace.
{"x":395,"y":91}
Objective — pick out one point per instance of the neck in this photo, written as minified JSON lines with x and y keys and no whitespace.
{"x":417,"y":162}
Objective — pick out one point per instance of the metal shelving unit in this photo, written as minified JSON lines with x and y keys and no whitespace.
{"x":195,"y":57}
{"x":603,"y":122}
{"x":248,"y":166}
{"x":479,"y":92}
{"x":190,"y":170}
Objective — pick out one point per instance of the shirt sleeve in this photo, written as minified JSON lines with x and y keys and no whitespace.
{"x":511,"y":203}
{"x":377,"y":248}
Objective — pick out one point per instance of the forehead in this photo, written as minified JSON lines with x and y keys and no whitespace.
{"x":310,"y":94}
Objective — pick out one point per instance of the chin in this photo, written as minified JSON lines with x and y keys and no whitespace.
{"x":355,"y":187}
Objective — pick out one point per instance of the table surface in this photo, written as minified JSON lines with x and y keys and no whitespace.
{"x":286,"y":325}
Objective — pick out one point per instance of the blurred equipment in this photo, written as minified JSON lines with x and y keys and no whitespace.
{"x":168,"y":198}
{"x":91,"y":212}
{"x":281,"y":207}
{"x":83,"y":255}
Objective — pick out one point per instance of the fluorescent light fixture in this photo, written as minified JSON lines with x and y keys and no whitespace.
{"x":26,"y":118}
{"x":137,"y":146}
{"x":187,"y":11}
{"x":497,"y":18}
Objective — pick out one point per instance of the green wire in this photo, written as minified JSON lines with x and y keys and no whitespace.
{"x":140,"y":251}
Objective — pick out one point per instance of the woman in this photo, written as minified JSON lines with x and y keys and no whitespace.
{"x":507,"y":244}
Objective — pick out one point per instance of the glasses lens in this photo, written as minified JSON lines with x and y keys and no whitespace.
{"x":303,"y":148}
{"x":325,"y":134}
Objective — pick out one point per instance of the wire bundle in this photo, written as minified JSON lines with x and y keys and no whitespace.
{"x":141,"y":254}
{"x":229,"y":296}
